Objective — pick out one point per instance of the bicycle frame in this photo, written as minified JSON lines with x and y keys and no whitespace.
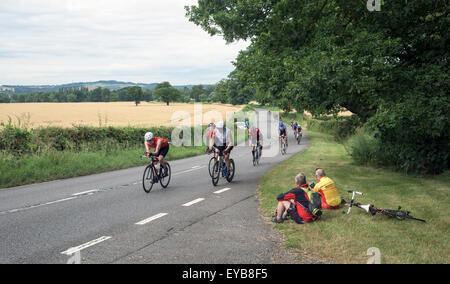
{"x":371,"y":209}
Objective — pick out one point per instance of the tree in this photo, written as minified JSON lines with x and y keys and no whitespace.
{"x":386,"y":67}
{"x":106,"y":95}
{"x":166,"y":93}
{"x":4,"y":98}
{"x":197,"y":91}
{"x":135,"y":94}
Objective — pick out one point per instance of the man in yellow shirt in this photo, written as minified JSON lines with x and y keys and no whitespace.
{"x":327,"y":190}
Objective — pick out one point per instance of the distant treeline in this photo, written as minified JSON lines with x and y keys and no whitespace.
{"x":226,"y":91}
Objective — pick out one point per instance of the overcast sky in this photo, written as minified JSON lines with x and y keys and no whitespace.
{"x":146,"y":41}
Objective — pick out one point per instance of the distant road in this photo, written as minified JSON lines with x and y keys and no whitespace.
{"x":108,"y":218}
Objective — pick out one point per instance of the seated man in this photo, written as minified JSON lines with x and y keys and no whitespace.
{"x":296,"y":203}
{"x":327,"y":190}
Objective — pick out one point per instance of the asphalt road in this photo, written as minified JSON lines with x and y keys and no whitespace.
{"x":108,"y":218}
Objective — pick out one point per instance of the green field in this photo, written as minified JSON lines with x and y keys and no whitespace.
{"x":339,"y":238}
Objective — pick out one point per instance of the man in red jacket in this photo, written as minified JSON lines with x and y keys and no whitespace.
{"x":296,"y":203}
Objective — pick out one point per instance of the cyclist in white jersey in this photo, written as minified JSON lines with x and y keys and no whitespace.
{"x":222,"y":139}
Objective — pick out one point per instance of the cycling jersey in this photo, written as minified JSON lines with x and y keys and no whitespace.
{"x":164,"y":143}
{"x":221,"y":137}
{"x":254,"y":135}
{"x":329,"y":193}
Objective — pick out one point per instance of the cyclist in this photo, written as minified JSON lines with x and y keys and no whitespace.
{"x":222,"y":139}
{"x":328,"y":191}
{"x":161,"y":146}
{"x":295,"y":126}
{"x":256,"y":140}
{"x":282,"y":130}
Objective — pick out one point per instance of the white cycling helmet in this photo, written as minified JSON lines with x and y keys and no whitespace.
{"x":148,"y":136}
{"x":219,"y":124}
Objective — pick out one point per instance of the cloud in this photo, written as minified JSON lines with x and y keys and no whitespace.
{"x":54,"y":41}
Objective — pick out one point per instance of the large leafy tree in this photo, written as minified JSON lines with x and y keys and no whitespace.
{"x":166,"y":93}
{"x":388,"y":67}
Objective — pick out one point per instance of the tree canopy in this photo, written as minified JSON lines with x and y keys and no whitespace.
{"x":390,"y":68}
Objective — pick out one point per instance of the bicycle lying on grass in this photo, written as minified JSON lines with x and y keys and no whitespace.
{"x":369,"y":208}
{"x":153,"y":175}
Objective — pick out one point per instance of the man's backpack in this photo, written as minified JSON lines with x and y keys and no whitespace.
{"x":315,"y":203}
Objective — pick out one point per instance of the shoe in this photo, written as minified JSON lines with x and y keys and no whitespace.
{"x":165,"y":172}
{"x":276,"y":220}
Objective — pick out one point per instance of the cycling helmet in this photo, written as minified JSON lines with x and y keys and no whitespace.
{"x":148,"y":136}
{"x":220,"y":124}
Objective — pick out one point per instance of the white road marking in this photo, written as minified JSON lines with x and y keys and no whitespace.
{"x":58,"y":201}
{"x":222,"y":190}
{"x":86,"y":245}
{"x":148,"y":220}
{"x":88,"y":192}
{"x":193,"y":202}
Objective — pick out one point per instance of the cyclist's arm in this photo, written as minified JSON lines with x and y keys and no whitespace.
{"x":230,"y":139}
{"x":211,"y":140}
{"x":147,"y":148}
{"x":158,"y":147}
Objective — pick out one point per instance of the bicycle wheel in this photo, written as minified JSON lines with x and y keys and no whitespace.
{"x":216,"y":173}
{"x":147,"y":179}
{"x":255,"y":157}
{"x":211,"y":166}
{"x":230,"y":175}
{"x":164,"y":181}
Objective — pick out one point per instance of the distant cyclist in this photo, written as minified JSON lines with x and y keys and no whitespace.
{"x":222,"y":139}
{"x":295,"y":126}
{"x":256,"y":139}
{"x":282,"y":130}
{"x":161,"y":146}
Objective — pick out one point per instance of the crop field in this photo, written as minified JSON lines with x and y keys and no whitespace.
{"x":109,"y":114}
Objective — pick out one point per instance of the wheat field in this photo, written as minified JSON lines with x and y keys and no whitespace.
{"x":111,"y":114}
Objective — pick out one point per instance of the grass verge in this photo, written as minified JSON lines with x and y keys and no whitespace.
{"x":340,"y":238}
{"x":53,"y":165}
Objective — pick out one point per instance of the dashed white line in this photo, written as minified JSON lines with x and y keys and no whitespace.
{"x":148,"y":220}
{"x":57,"y":201}
{"x":86,"y":245}
{"x":88,"y":192}
{"x":222,"y":190}
{"x":193,"y":202}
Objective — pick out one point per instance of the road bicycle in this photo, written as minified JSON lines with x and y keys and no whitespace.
{"x":283,"y":146}
{"x":257,"y":155}
{"x":369,"y":208}
{"x":153,"y":175}
{"x":298,"y":136}
{"x":218,"y":167}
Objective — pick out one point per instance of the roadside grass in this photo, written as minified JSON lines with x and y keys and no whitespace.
{"x":339,"y":238}
{"x":15,"y":171}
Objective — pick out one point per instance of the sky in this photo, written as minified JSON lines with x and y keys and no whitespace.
{"x":49,"y":42}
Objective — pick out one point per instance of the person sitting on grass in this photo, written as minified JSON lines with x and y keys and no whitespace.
{"x":328,"y":191}
{"x":295,"y":203}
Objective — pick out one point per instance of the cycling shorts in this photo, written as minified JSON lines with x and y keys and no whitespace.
{"x":283,"y":132}
{"x":222,"y":148}
{"x":163,"y":151}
